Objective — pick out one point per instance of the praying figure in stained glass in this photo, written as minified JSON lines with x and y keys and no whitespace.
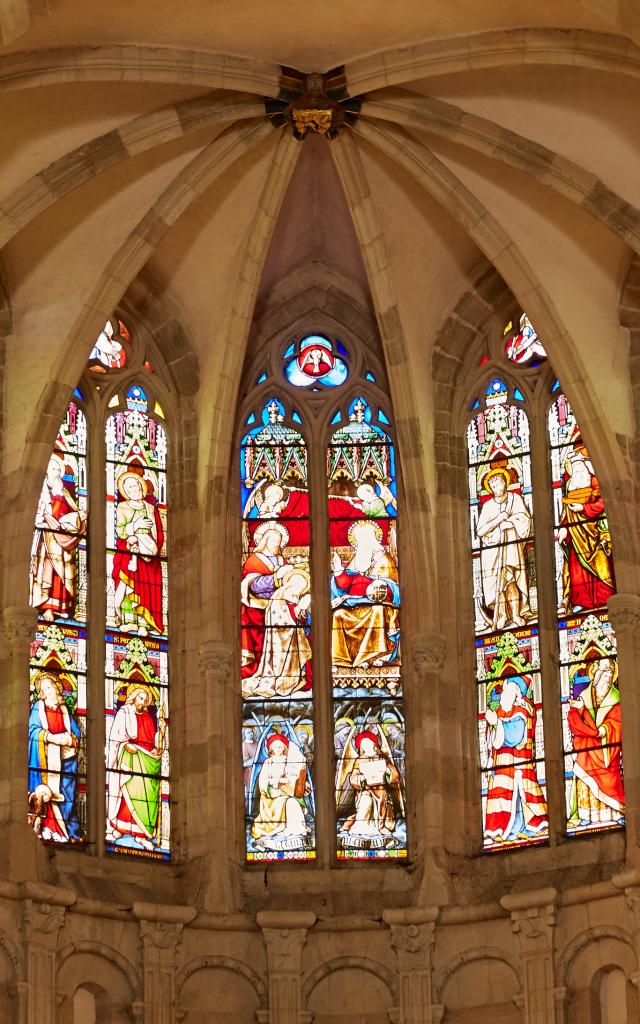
{"x":276,"y":649}
{"x":368,"y":785}
{"x":135,"y":746}
{"x":365,"y":597}
{"x":516,"y":807}
{"x":283,"y":786}
{"x":587,"y":572}
{"x":597,"y":792}
{"x":54,"y":738}
{"x":137,"y":572}
{"x":60,"y":524}
{"x":503,"y":526}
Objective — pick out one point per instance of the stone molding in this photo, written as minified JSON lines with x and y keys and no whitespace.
{"x":413,"y":936}
{"x":624,"y":610}
{"x":533,"y":920}
{"x":216,"y":659}
{"x":285,"y":934}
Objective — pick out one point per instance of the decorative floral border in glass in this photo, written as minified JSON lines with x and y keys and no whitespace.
{"x":136,"y":638}
{"x":512,"y":769}
{"x":275,"y":617}
{"x":365,"y":637}
{"x":585,"y":579}
{"x":58,"y":655}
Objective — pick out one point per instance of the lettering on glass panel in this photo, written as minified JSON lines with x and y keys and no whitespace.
{"x":365,"y":637}
{"x":276,"y":654}
{"x":58,"y":590}
{"x":589,"y":686}
{"x":136,"y":641}
{"x":509,"y":697}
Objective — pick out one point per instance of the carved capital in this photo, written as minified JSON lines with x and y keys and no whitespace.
{"x":160,"y":939}
{"x":413,"y":943}
{"x":428,"y":651}
{"x":284,"y":948}
{"x":41,"y":922}
{"x":624,"y":610}
{"x":533,"y":918}
{"x":18,"y":626}
{"x":216,"y":659}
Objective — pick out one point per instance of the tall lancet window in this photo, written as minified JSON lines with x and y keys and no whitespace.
{"x":136,"y":639}
{"x":365,"y":635}
{"x":58,"y":686}
{"x":513,"y":592}
{"x":275,"y":612}
{"x":585,"y":580}
{"x":509,"y":692}
{"x":303,"y":458}
{"x":83,"y":664}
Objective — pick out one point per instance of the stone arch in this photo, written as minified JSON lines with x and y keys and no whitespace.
{"x":590,"y":935}
{"x":544,"y":164}
{"x":132,"y":63}
{"x":446,"y":971}
{"x":99,"y":949}
{"x":101,"y":153}
{"x":492,"y":49}
{"x":225,"y":963}
{"x":343,"y":963}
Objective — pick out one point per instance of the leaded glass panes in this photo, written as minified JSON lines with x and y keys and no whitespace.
{"x":512,"y":770}
{"x":58,"y":589}
{"x":136,"y":638}
{"x":316,"y":363}
{"x":275,"y":616}
{"x":585,"y":579}
{"x":365,"y":638}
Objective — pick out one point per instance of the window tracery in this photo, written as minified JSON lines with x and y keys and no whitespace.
{"x":288,"y":456}
{"x":510,"y":595}
{"x":108,"y":422}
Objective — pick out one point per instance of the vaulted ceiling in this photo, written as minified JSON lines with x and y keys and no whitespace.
{"x":136,"y":141}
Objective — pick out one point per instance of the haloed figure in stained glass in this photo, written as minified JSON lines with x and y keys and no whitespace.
{"x":137,"y":572}
{"x":59,"y":526}
{"x":516,"y":808}
{"x":54,"y":738}
{"x":276,"y":601}
{"x":503,"y":526}
{"x":365,"y":598}
{"x":135,"y":747}
{"x":597,"y":792}
{"x":587,"y":572}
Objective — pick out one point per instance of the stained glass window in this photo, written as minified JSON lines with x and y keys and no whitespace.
{"x":136,"y":639}
{"x":523,"y":346}
{"x":316,"y":362}
{"x":365,"y":638}
{"x":585,"y":579}
{"x":110,"y":349}
{"x":58,"y":589}
{"x":509,"y":694}
{"x":278,"y":724}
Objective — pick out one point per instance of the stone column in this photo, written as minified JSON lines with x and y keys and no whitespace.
{"x":284,"y":937}
{"x":629,"y":883}
{"x":216,"y":666}
{"x":413,"y":934}
{"x":533,"y":918}
{"x":161,"y":934}
{"x":18,"y":631}
{"x":43,"y":911}
{"x":624,"y":611}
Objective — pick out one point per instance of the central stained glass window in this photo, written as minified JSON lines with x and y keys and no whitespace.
{"x":349,"y":481}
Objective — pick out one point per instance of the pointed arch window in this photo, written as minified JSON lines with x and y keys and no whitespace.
{"x":511,"y":598}
{"x":301,"y":459}
{"x":107,"y":649}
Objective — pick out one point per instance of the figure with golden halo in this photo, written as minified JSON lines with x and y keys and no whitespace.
{"x":59,"y":526}
{"x":134,"y":758}
{"x":365,"y":598}
{"x":137,"y":571}
{"x":503,"y":526}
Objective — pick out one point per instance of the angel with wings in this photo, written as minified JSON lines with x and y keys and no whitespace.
{"x":368,"y":788}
